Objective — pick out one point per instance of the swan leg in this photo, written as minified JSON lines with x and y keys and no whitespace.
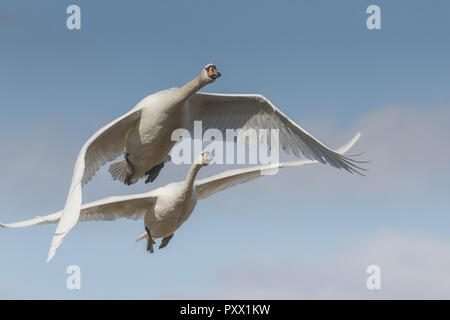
{"x":153,"y":173}
{"x":130,"y":170}
{"x":150,"y":241}
{"x":165,"y":241}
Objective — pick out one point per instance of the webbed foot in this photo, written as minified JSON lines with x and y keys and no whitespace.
{"x":153,"y":173}
{"x":150,"y":241}
{"x":130,"y":170}
{"x":165,"y":241}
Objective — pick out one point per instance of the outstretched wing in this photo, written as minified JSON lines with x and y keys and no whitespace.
{"x":130,"y":207}
{"x":105,"y":145}
{"x":209,"y":186}
{"x":254,"y":111}
{"x":219,"y":182}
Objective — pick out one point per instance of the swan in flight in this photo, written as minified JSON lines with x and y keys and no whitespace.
{"x":143,"y":137}
{"x":165,"y":209}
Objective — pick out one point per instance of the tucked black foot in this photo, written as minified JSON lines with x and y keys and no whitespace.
{"x":165,"y":241}
{"x":153,"y":172}
{"x":130,"y":170}
{"x":128,"y":180}
{"x":150,"y":241}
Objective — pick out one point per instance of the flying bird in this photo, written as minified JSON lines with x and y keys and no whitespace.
{"x":165,"y":209}
{"x":143,"y":137}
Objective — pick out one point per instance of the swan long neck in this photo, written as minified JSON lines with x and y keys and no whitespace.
{"x":191,"y":88}
{"x":190,"y":179}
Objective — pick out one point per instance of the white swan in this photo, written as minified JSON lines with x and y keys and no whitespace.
{"x":165,"y":209}
{"x":143,"y":135}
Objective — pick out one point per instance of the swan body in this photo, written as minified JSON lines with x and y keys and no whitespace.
{"x":173,"y":205}
{"x":143,"y":137}
{"x":160,"y":115}
{"x":165,"y":209}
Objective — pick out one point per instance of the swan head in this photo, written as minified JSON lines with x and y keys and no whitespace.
{"x":204,"y":159}
{"x":209,"y":73}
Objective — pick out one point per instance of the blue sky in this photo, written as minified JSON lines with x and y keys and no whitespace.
{"x":318,"y":62}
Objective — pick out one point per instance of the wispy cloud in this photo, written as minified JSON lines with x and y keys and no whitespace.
{"x":407,"y":149}
{"x":412,"y":266}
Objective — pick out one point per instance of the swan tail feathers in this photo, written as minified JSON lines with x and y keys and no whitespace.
{"x":118,"y":170}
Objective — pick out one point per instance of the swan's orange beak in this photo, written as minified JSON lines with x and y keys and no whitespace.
{"x":212,"y":72}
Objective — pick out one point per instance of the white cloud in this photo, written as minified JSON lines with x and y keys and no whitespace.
{"x":413,"y":266}
{"x":407,"y":147}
